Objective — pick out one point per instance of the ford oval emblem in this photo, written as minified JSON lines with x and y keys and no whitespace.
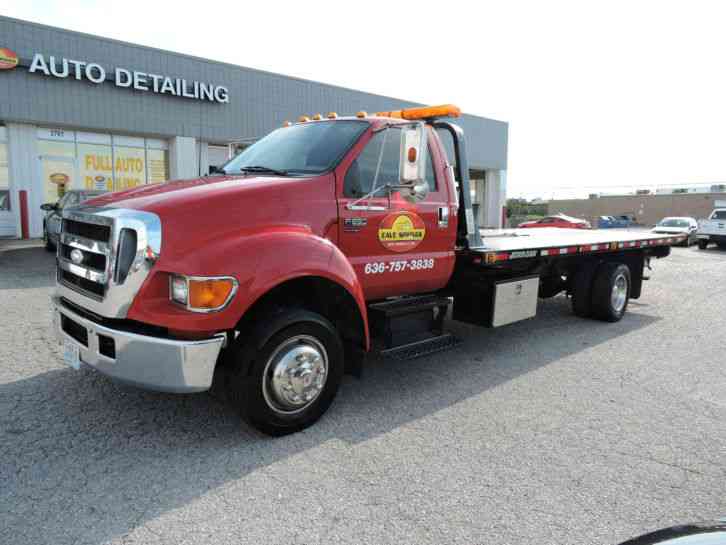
{"x":77,"y":256}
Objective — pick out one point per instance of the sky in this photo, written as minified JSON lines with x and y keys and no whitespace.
{"x":599,"y":96}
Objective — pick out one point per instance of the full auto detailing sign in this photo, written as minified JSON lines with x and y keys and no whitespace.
{"x":401,"y":231}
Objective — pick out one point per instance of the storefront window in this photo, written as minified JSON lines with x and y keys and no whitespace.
{"x":130,"y":167}
{"x":86,"y":160}
{"x":95,"y":166}
{"x":4,"y":179}
{"x":57,"y":149}
{"x":157,"y":165}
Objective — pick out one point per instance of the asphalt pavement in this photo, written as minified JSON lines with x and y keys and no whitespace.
{"x":555,"y":430}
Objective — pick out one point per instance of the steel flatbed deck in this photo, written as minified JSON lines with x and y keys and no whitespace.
{"x":500,"y":245}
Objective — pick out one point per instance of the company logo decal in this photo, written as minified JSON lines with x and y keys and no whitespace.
{"x":401,"y":231}
{"x":8,"y":59}
{"x":59,"y":178}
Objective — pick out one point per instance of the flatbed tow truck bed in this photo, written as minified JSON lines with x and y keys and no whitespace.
{"x":501,"y":245}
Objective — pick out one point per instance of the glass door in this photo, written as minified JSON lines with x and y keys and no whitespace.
{"x":8,"y":225}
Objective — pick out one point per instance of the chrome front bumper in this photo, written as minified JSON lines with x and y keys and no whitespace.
{"x":152,"y":363}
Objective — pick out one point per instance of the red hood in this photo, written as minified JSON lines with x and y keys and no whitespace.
{"x":196,"y":210}
{"x":158,"y":197}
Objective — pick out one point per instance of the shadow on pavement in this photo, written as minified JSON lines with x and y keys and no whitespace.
{"x":84,"y":460}
{"x":26,"y":268}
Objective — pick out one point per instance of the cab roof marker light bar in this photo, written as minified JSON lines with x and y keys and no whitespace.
{"x":424,"y":112}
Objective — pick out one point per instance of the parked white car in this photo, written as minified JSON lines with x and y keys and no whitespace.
{"x":678,"y":226}
{"x":713,"y":230}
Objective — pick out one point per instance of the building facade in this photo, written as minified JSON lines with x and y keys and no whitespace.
{"x":647,"y":209}
{"x":85,"y":112}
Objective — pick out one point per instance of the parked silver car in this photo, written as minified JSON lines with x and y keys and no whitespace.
{"x":678,"y":226}
{"x":52,"y":220}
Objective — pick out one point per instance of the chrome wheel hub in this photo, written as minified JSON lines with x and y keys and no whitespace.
{"x":295,"y":374}
{"x":620,"y":293}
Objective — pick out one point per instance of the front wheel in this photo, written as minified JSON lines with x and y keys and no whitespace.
{"x":611,"y":292}
{"x":702,"y":243}
{"x":286,"y":377}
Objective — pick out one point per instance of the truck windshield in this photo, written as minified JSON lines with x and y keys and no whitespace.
{"x":306,"y":148}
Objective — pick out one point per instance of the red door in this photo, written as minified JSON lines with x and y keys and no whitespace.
{"x":395,"y":247}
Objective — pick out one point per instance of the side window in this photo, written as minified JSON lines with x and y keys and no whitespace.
{"x":378,"y":163}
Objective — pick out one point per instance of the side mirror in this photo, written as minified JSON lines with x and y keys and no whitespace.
{"x":49,"y":206}
{"x":412,"y":164}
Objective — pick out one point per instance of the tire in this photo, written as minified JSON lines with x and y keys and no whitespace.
{"x":702,"y":243}
{"x":611,"y":292}
{"x":581,"y":291}
{"x":296,"y":341}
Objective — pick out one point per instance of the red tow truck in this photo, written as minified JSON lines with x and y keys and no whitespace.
{"x":326,"y":239}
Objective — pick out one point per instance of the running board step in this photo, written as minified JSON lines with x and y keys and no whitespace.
{"x":409,"y":305}
{"x":407,"y":320}
{"x":419,"y":349}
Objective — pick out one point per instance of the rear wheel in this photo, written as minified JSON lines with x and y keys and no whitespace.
{"x":611,"y":292}
{"x":286,"y":376}
{"x":702,"y":243}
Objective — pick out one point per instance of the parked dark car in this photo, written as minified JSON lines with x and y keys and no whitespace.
{"x":52,"y":220}
{"x":614,"y":222}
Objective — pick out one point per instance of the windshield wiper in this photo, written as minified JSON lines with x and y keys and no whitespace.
{"x":257,"y":168}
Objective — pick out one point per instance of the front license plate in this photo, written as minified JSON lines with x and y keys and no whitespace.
{"x":72,"y":354}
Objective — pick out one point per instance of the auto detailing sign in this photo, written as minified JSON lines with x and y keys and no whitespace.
{"x":93,"y":72}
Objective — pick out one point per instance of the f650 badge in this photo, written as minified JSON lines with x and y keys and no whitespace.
{"x":401,"y":231}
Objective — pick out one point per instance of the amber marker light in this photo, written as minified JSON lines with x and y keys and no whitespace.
{"x":202,"y":294}
{"x":332,"y":115}
{"x":426,"y":112}
{"x":317,"y":117}
{"x":303,"y":119}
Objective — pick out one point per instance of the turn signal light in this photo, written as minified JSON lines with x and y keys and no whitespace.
{"x":209,"y":294}
{"x":202,"y":294}
{"x":425,"y":112}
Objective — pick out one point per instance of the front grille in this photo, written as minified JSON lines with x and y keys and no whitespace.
{"x":90,"y":259}
{"x":93,"y":231}
{"x":81,"y":283}
{"x":75,"y":330}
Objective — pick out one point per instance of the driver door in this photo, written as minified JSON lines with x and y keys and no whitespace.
{"x":395,"y":247}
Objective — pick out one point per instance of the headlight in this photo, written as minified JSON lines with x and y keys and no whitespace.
{"x":202,"y":293}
